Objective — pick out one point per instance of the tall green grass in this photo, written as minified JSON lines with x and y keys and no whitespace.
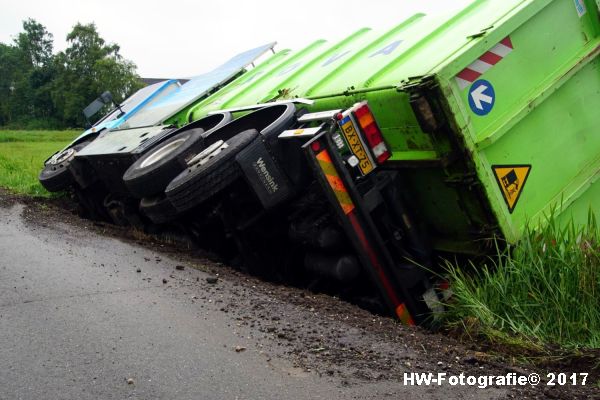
{"x":544,"y":291}
{"x":22,"y":156}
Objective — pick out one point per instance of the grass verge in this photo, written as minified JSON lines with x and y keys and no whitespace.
{"x":543,"y":292}
{"x":22,"y":156}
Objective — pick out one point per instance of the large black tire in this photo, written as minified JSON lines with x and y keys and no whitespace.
{"x":202,"y":181}
{"x":268,"y":121}
{"x":158,"y":209}
{"x":286,"y":118}
{"x":57,"y":177}
{"x":150,"y":174}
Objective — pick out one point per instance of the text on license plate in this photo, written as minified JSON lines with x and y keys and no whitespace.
{"x":356,"y":146}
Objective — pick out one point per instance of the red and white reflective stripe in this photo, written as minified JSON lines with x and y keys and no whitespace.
{"x":484,"y":63}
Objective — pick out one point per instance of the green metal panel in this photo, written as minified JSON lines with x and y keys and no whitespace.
{"x":544,"y":72}
{"x":578,"y":211}
{"x":216,"y":100}
{"x":546,"y":91}
{"x":369,"y":60}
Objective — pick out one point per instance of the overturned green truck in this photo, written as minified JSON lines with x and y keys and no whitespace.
{"x":357,"y":165}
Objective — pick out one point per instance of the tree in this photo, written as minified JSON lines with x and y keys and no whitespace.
{"x":38,"y":88}
{"x":26,"y":73}
{"x":88,"y":67}
{"x":35,"y":44}
{"x":8,"y":67}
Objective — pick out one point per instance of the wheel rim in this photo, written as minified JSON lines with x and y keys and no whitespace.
{"x":208,"y":153}
{"x":62,"y":156}
{"x":162,"y":152}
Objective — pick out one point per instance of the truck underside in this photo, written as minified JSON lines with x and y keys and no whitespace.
{"x":300,"y":201}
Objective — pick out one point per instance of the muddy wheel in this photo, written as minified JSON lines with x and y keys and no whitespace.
{"x":158,"y":209}
{"x":210,"y":172}
{"x":152,"y":172}
{"x":56,"y":175}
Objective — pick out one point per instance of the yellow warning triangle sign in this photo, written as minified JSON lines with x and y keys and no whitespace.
{"x":511,"y":179}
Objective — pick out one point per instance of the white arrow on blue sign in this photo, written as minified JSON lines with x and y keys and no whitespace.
{"x":482,"y":97}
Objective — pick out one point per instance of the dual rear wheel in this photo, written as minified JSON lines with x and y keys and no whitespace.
{"x":186,"y":170}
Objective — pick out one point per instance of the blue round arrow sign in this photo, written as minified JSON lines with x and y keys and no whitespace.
{"x":482,"y":97}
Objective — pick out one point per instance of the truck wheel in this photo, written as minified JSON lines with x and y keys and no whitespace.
{"x":158,"y":209}
{"x":151,"y":173}
{"x":269,"y":122}
{"x":209,"y":172}
{"x":56,"y":175}
{"x":284,"y":117}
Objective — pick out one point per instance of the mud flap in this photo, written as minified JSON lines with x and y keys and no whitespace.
{"x":267,"y":180}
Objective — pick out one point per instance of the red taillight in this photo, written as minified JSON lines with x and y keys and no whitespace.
{"x":315,"y":146}
{"x":372,"y":132}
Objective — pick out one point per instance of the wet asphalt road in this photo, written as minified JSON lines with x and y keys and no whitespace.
{"x":77,"y":321}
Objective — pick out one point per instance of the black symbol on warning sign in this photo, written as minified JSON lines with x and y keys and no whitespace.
{"x":511,"y":179}
{"x":510,"y":182}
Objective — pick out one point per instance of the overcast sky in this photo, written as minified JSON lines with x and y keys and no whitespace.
{"x":182,"y":38}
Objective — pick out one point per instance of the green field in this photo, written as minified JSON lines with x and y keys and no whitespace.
{"x":22,"y":156}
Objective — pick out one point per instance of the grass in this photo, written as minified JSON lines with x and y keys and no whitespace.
{"x":543,"y":292}
{"x":22,"y":156}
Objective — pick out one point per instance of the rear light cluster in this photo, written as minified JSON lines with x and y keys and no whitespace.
{"x":373,"y":134}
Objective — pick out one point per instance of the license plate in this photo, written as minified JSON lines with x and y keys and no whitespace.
{"x":365,"y":165}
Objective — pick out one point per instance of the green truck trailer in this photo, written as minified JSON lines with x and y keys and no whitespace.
{"x":490,"y":113}
{"x":439,"y":136}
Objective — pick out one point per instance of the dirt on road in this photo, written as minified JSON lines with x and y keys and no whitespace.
{"x":320,"y":334}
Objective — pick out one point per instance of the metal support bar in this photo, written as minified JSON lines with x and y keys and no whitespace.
{"x":395,"y":281}
{"x":263,"y":105}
